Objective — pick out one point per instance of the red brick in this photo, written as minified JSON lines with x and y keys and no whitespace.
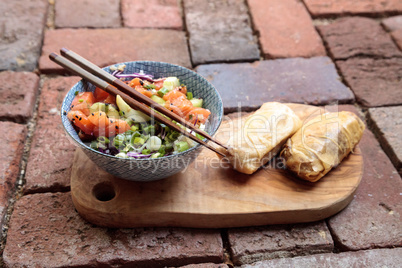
{"x":10,"y":157}
{"x":51,"y":154}
{"x":286,"y":29}
{"x":325,"y":8}
{"x":18,"y":94}
{"x":109,"y":46}
{"x":50,"y":158}
{"x":368,"y":77}
{"x":220,"y":31}
{"x":358,"y":36}
{"x":53,"y":92}
{"x":397,"y":35}
{"x":152,"y":14}
{"x":205,"y":265}
{"x":21,"y":31}
{"x":387,"y":125}
{"x":249,"y":245}
{"x":390,"y":258}
{"x":312,"y":81}
{"x":45,"y":230}
{"x":373,"y":218}
{"x":88,"y":13}
{"x":392,"y":23}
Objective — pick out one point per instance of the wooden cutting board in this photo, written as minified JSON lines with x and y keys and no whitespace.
{"x":208,"y":196}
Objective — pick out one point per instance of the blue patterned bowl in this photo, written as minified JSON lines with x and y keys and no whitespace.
{"x":159,"y":168}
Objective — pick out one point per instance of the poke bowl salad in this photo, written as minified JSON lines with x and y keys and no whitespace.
{"x":107,"y":124}
{"x":129,"y":144}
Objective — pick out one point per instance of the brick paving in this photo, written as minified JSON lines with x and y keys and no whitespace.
{"x":252,"y":51}
{"x":219,"y":31}
{"x":330,"y":8}
{"x":89,"y":13}
{"x":358,"y":36}
{"x":285,"y":29}
{"x":18,"y":92}
{"x":108,"y":46}
{"x":390,"y":258}
{"x":21,"y":35}
{"x":10,"y":157}
{"x":310,"y":81}
{"x":152,"y":14}
{"x":254,"y":244}
{"x":387,"y":125}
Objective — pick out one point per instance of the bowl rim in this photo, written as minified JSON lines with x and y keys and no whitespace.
{"x":81,"y":144}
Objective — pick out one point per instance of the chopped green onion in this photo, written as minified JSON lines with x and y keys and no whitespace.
{"x":134,"y":128}
{"x":163,"y":91}
{"x":94,"y":145}
{"x":121,"y":155}
{"x":81,"y":100}
{"x":189,"y":95}
{"x":149,"y":130}
{"x":199,"y":136}
{"x":76,"y":93}
{"x":162,"y":150}
{"x":173,"y":135}
{"x":156,"y":155}
{"x":119,"y":140}
{"x":146,"y":151}
{"x":138,"y":141}
{"x":150,"y":86}
{"x":168,"y":147}
{"x":182,"y":146}
{"x":129,"y":121}
{"x":103,"y":140}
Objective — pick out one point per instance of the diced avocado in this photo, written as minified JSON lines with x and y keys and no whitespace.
{"x":137,"y":116}
{"x":196,"y":102}
{"x":123,"y":106}
{"x":171,"y":83}
{"x":129,"y":112}
{"x":97,"y":107}
{"x":158,"y":100}
{"x":112,"y":112}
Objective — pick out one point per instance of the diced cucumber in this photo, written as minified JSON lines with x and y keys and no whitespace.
{"x":171,"y":83}
{"x":158,"y":100}
{"x":196,"y":102}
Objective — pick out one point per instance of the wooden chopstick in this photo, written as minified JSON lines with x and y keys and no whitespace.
{"x":95,"y":70}
{"x":68,"y":65}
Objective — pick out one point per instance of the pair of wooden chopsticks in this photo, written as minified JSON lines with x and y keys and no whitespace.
{"x":78,"y":65}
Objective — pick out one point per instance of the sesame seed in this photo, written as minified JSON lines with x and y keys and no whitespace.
{"x":76,"y":116}
{"x":116,"y":127}
{"x":80,"y":118}
{"x":93,"y":114}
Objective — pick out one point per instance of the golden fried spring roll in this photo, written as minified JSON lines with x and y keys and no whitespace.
{"x":261,"y":136}
{"x":322,"y":143}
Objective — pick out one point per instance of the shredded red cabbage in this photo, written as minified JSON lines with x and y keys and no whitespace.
{"x":138,"y":155}
{"x":135,"y":75}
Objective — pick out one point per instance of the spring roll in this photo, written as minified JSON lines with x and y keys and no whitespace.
{"x":261,"y":136}
{"x":322,"y":143}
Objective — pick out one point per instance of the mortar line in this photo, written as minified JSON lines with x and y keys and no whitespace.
{"x":20,"y":182}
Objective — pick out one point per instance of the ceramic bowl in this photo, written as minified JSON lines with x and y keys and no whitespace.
{"x":159,"y":168}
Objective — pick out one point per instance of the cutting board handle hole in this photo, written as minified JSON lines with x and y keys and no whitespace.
{"x":104,"y":191}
